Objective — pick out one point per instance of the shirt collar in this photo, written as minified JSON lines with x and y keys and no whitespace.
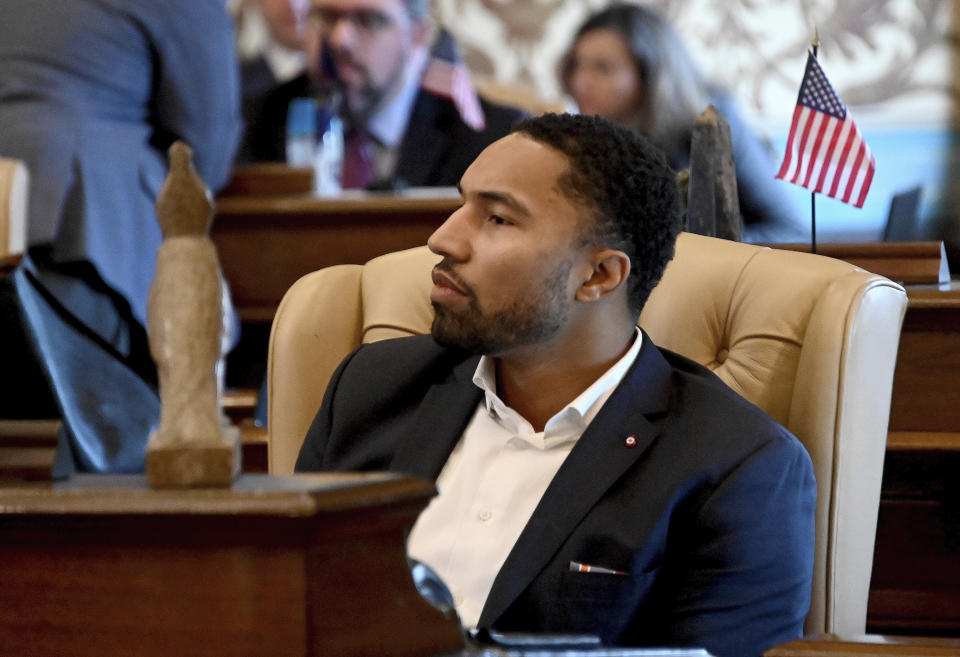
{"x":575,"y":416}
{"x":388,"y":123}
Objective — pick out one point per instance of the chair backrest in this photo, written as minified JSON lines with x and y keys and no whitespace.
{"x":809,"y":339}
{"x":14,"y":182}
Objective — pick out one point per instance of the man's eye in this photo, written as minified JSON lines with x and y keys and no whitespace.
{"x":500,"y":221}
{"x":604,"y":68}
{"x":371,"y":19}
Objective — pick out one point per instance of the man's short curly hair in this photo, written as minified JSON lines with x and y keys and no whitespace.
{"x":627,"y":184}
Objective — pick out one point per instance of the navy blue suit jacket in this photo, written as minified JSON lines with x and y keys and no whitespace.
{"x":710,"y":513}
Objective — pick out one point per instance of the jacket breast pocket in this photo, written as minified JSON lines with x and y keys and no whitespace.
{"x":601,"y":604}
{"x":600,"y":587}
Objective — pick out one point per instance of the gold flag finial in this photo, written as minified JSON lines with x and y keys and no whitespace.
{"x":816,"y":40}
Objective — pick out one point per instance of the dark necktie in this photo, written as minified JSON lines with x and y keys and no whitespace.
{"x":358,"y":170}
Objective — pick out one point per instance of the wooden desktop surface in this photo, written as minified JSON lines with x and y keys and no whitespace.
{"x":304,"y":565}
{"x":904,"y":262}
{"x":831,"y":645}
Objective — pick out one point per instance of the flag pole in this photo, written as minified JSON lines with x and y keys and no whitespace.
{"x":814,"y":45}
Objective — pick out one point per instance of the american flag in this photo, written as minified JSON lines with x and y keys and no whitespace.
{"x":446,"y":75}
{"x":825,"y":151}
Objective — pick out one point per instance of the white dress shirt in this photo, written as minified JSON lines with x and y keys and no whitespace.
{"x":493,"y":480}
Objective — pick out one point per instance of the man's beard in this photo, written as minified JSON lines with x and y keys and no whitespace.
{"x":528,"y":320}
{"x":363,"y":97}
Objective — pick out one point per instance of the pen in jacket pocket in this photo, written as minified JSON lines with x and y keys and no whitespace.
{"x":577,"y":567}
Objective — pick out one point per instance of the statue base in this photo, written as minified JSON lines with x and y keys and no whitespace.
{"x":213,"y":464}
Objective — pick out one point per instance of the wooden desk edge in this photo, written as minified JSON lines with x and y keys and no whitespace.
{"x":313,"y":205}
{"x":923,"y":441}
{"x":841,"y":250}
{"x":293,"y":496}
{"x":9,"y":262}
{"x":903,"y":262}
{"x":867,"y":645}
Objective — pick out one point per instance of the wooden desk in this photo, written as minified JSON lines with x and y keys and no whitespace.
{"x":915,"y":586}
{"x":8,"y":263}
{"x":268,"y":179}
{"x":916,"y":570}
{"x":871,"y":645}
{"x":266,"y":243}
{"x":926,"y":388}
{"x":903,"y":262}
{"x":306,"y":565}
{"x":27,"y":448}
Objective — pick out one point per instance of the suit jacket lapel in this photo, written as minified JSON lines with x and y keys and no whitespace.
{"x":598,"y":459}
{"x":439,"y":422}
{"x":425,"y":141}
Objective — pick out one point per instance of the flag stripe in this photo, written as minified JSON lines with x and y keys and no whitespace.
{"x":788,"y":158}
{"x":825,"y":151}
{"x":804,"y":147}
{"x":866,"y":184}
{"x":836,"y":155}
{"x":798,"y":145}
{"x":837,"y":128}
{"x":843,"y":169}
{"x":855,"y":172}
{"x":446,"y":75}
{"x":816,"y":134}
{"x":816,"y":163}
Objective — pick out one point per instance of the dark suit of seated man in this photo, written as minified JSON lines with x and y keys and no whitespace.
{"x":589,"y":482}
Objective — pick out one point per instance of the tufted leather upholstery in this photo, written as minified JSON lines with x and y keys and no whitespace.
{"x":809,"y":339}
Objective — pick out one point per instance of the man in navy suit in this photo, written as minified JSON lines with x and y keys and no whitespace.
{"x":418,"y":127}
{"x":589,"y":482}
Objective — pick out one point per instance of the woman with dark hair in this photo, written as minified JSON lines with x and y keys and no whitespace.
{"x":628,"y":65}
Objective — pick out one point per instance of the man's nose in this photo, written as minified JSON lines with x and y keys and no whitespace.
{"x":450,"y":239}
{"x":580,"y":82}
{"x":342,"y":33}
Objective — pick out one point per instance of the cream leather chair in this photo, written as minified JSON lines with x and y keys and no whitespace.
{"x":14,"y":181}
{"x":809,"y":339}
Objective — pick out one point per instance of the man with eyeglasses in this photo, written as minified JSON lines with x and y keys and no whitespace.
{"x":411,"y":119}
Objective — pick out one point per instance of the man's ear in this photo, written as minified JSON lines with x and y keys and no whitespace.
{"x":610,"y":271}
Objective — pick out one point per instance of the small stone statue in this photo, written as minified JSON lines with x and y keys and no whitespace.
{"x":194,"y":445}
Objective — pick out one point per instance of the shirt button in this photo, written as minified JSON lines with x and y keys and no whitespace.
{"x":485,"y":515}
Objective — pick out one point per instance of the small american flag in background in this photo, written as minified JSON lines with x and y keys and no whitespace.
{"x":447,"y":76}
{"x":825,"y":151}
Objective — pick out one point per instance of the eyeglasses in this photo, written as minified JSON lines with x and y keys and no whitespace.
{"x":368,"y":21}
